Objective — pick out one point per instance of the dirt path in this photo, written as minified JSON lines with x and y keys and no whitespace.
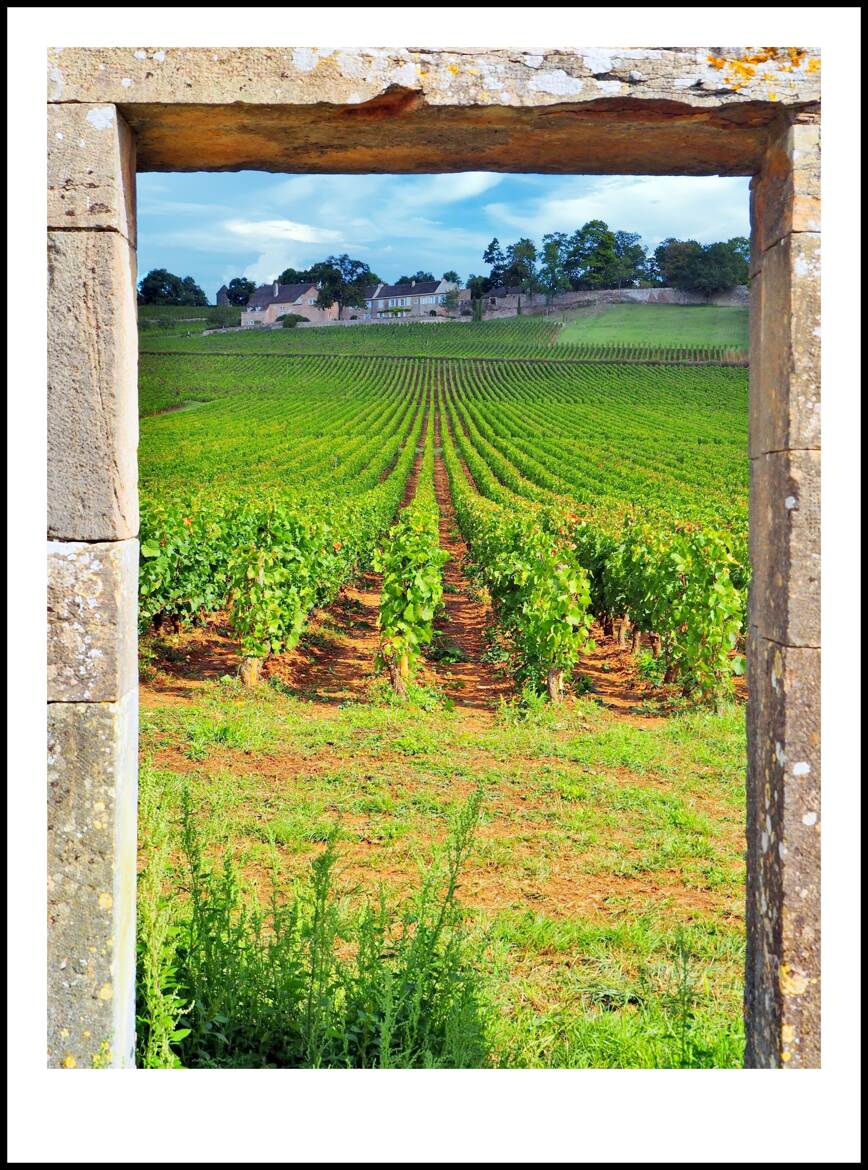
{"x":471,"y":682}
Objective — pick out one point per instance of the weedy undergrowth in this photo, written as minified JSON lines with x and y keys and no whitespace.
{"x":303,"y":982}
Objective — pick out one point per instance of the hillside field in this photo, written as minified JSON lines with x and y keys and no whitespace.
{"x":550,"y":557}
{"x":657,"y":325}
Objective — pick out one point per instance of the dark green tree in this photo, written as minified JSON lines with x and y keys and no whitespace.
{"x":493,"y":256}
{"x":294,"y":276}
{"x":160,"y":287}
{"x":452,"y":277}
{"x":631,"y":260}
{"x":703,"y":268}
{"x":239,"y":290}
{"x":479,"y":286}
{"x":418,"y":276}
{"x":342,"y":281}
{"x":552,"y":275}
{"x":591,"y":259}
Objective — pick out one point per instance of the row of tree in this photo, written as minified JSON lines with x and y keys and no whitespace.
{"x":341,"y":280}
{"x":594,"y":257}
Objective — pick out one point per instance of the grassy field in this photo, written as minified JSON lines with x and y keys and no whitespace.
{"x":295,"y":838}
{"x":677,"y":325}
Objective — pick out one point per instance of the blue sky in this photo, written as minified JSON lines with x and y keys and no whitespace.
{"x":216,"y":226}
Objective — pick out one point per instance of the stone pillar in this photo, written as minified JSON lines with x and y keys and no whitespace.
{"x":782,"y":984}
{"x":92,"y":580}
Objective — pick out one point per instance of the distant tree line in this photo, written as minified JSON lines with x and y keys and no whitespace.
{"x":594,"y":257}
{"x":340,"y":279}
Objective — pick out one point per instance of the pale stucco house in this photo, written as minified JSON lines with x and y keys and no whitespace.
{"x":416,"y":299}
{"x":267,"y":304}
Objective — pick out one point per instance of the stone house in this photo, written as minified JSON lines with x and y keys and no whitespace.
{"x":416,"y":299}
{"x":272,"y":301}
{"x":223,"y":295}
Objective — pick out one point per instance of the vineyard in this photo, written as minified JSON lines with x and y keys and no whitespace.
{"x":426,"y":572}
{"x":516,"y":337}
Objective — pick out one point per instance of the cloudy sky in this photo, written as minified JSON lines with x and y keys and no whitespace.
{"x":216,"y":226}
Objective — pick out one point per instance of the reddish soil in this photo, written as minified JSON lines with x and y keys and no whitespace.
{"x":611,"y":670}
{"x":334,"y":661}
{"x":184,"y":661}
{"x":471,"y":682}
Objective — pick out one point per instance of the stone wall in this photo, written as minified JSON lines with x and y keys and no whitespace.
{"x":563,"y":302}
{"x":700,"y":110}
{"x":92,"y":575}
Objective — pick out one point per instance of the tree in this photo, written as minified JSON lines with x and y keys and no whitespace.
{"x":479,"y":286}
{"x":521,"y":266}
{"x":418,"y":277}
{"x":703,"y":268}
{"x":552,"y":276}
{"x":239,"y":290}
{"x":342,"y":281}
{"x":676,"y":261}
{"x":494,"y":257}
{"x":160,"y":287}
{"x":450,"y":300}
{"x":294,"y":276}
{"x":591,"y":259}
{"x":452,"y":277}
{"x":631,"y":260}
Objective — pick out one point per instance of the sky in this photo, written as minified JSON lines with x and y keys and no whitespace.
{"x":216,"y":226}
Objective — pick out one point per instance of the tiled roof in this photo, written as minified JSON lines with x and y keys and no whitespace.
{"x":287,"y":294}
{"x":420,"y":288}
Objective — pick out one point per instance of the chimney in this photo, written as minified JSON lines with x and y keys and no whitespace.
{"x":412,"y":284}
{"x":276,"y":288}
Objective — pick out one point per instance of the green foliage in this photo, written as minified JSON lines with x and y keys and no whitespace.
{"x":411,"y":560}
{"x":160,"y":287}
{"x":290,"y":320}
{"x":225,"y":983}
{"x":271,"y":557}
{"x":703,"y":268}
{"x":239,"y":290}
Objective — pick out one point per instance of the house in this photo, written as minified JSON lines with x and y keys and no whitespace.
{"x":417,"y":299}
{"x":356,"y":313}
{"x":223,"y":295}
{"x":269,"y":302}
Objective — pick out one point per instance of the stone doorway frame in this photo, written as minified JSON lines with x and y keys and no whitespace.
{"x":613,"y":111}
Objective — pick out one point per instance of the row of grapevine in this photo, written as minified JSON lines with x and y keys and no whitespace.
{"x":540,"y":591}
{"x":269,"y":559}
{"x":681,"y":584}
{"x":411,"y":561}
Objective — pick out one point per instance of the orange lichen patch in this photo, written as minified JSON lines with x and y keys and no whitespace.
{"x":739,"y":71}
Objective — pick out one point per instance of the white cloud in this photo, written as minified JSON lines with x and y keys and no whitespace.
{"x":697,"y":207}
{"x":264,"y":230}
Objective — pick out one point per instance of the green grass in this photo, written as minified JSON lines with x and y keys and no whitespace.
{"x":657,"y":325}
{"x":601,"y":898}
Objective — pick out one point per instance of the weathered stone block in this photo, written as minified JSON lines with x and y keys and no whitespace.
{"x":91,"y":169}
{"x":784,"y":600}
{"x":785,"y":196}
{"x":92,"y":390}
{"x":695,"y":76}
{"x":615,"y":111}
{"x":782,"y":986}
{"x":91,"y":883}
{"x":785,"y":347}
{"x":91,"y":621}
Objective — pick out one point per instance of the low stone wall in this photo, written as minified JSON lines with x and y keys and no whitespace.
{"x":738,"y":297}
